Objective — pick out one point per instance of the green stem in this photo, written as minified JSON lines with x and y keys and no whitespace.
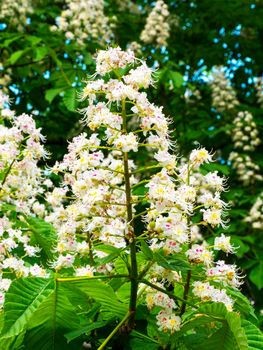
{"x":140,"y":183}
{"x":146,"y":168}
{"x":91,"y":257}
{"x":186,"y":291}
{"x":7,"y":173}
{"x":83,"y":278}
{"x":189,"y":272}
{"x":131,"y":234}
{"x":115,"y":330}
{"x":145,"y":270}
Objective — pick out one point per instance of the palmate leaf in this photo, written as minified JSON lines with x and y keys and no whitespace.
{"x":55,"y":317}
{"x":22,"y":300}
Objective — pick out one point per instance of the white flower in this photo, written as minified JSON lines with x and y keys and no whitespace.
{"x":213,"y":217}
{"x":113,"y":58}
{"x":84,"y":271}
{"x":127,"y":142}
{"x":207,"y":292}
{"x":199,"y":156}
{"x":64,"y":261}
{"x":223,"y":243}
{"x":225,"y":273}
{"x":139,"y":77}
{"x":167,"y":321}
{"x":199,"y":254}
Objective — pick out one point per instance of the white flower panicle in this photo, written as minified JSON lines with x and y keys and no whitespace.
{"x":84,"y":20}
{"x":259,"y":91}
{"x":157,"y":27}
{"x":16,"y":12}
{"x":246,"y":139}
{"x":21,"y":149}
{"x":255,"y":217}
{"x":245,"y":133}
{"x":21,"y":185}
{"x":223,"y":95}
{"x":89,"y":208}
{"x":247,"y":170}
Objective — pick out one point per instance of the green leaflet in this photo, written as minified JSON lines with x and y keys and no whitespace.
{"x":228,"y":333}
{"x":256,"y":275}
{"x":254,"y":336}
{"x":55,"y":317}
{"x":22,"y":300}
{"x":102,"y":293}
{"x":52,"y":93}
{"x":86,"y":329}
{"x":44,"y":235}
{"x":171,"y":263}
{"x":70,"y":99}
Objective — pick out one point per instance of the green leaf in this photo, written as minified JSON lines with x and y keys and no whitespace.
{"x":13,"y":343}
{"x":70,"y":99}
{"x":142,"y":344}
{"x":242,"y":248}
{"x":243,"y":305}
{"x":234,"y":322}
{"x":33,"y":39}
{"x":44,"y":235}
{"x":213,"y":309}
{"x":256,"y":275}
{"x":17,"y":55}
{"x":102,"y":293}
{"x":176,"y":78}
{"x":55,"y":317}
{"x":84,"y":330}
{"x":230,"y":336}
{"x":22,"y":300}
{"x":146,"y":250}
{"x":41,"y":52}
{"x":222,"y":339}
{"x":171,"y":263}
{"x":254,"y":336}
{"x":88,"y":58}
{"x":9,"y":41}
{"x":224,"y":169}
{"x":52,"y":93}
